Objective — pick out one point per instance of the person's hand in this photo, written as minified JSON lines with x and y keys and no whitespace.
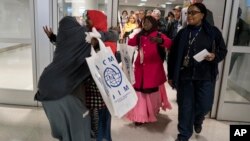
{"x":94,"y":42}
{"x":88,"y":37}
{"x":170,"y":82}
{"x":91,"y":35}
{"x":48,"y":31}
{"x":135,"y":31}
{"x":95,"y":33}
{"x":156,"y":40}
{"x":210,"y":57}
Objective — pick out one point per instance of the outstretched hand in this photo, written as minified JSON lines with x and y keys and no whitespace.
{"x":48,"y":31}
{"x":93,"y":34}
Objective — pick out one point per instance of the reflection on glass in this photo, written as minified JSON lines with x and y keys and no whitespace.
{"x":15,"y":58}
{"x":242,"y":31}
{"x":238,"y":89}
{"x":77,"y":7}
{"x":15,"y":19}
{"x":16,"y":66}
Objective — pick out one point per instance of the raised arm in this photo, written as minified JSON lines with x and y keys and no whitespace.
{"x":110,"y":35}
{"x":50,"y":34}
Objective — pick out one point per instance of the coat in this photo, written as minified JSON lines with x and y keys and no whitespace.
{"x":150,"y":73}
{"x":175,"y":59}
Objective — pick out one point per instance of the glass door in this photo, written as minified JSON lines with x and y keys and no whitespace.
{"x":235,"y":91}
{"x":17,"y":69}
{"x":63,"y":8}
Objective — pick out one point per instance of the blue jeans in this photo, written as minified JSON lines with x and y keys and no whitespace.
{"x":104,"y":125}
{"x":195,"y":100}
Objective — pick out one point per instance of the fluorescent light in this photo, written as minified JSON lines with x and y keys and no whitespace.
{"x":168,"y":3}
{"x":144,"y":0}
{"x":141,"y":4}
{"x":163,"y":5}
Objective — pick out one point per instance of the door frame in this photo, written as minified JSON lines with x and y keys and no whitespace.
{"x":23,"y":97}
{"x":227,"y":110}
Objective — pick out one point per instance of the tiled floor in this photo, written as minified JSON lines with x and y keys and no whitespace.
{"x":30,"y":124}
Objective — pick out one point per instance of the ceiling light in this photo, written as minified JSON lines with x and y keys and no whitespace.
{"x":163,"y":5}
{"x":168,"y":3}
{"x":141,"y":4}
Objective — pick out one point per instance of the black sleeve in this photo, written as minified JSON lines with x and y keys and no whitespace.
{"x":53,"y":39}
{"x":111,"y":35}
{"x":172,"y":55}
{"x":220,"y":49}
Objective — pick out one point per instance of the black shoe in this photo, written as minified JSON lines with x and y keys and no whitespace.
{"x":138,"y":123}
{"x":197,"y":128}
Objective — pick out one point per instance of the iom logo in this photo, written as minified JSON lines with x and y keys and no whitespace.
{"x":112,"y":76}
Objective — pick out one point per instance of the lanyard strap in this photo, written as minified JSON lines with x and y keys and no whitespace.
{"x":191,"y":41}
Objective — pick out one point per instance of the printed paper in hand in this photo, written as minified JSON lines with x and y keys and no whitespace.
{"x":201,"y":55}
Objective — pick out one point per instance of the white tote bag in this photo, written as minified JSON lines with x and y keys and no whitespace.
{"x":117,"y":93}
{"x":127,"y":54}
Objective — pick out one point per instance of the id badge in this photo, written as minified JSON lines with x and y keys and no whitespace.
{"x":186,"y":61}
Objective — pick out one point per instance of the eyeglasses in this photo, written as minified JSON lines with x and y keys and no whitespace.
{"x":192,"y":13}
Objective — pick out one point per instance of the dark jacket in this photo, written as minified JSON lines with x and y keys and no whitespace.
{"x":242,"y":33}
{"x":162,"y":26}
{"x":211,"y":39}
{"x":170,"y":29}
{"x":210,"y":17}
{"x":68,"y":69}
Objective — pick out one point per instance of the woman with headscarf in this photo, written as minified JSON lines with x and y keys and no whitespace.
{"x":193,"y":80}
{"x":60,"y":85}
{"x":149,"y":72}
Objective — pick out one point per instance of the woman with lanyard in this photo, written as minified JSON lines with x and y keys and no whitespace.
{"x":193,"y":80}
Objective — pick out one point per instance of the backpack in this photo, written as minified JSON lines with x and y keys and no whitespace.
{"x":161,"y":50}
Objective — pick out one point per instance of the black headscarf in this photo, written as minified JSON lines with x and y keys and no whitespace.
{"x":68,"y":68}
{"x":154,"y":23}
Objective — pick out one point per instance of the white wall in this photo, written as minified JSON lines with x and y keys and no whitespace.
{"x":217,"y":7}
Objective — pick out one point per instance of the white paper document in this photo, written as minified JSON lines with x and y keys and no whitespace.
{"x":201,"y":55}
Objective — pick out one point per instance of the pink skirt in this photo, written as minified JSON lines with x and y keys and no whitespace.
{"x":148,"y":106}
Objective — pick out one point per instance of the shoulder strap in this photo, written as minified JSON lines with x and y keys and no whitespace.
{"x":161,"y":50}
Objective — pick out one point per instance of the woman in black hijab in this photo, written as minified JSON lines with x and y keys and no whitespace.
{"x":60,"y":85}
